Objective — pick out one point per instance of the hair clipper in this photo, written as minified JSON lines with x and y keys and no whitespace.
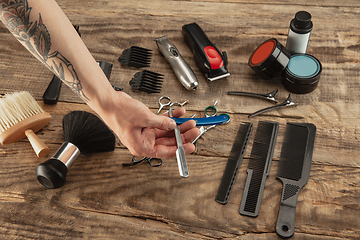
{"x":181,"y":69}
{"x":207,"y":56}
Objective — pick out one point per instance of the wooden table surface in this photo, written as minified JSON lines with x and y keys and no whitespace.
{"x":101,"y":199}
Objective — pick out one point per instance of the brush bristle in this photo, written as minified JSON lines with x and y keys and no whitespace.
{"x":15,"y":107}
{"x":87,"y":132}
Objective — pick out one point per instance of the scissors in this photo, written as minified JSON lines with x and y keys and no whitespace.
{"x":164,"y":101}
{"x":153,"y":162}
{"x":210,"y":111}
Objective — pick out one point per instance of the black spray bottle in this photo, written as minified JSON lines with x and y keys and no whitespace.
{"x":299,"y":33}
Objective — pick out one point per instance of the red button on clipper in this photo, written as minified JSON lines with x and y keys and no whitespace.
{"x":214,"y":57}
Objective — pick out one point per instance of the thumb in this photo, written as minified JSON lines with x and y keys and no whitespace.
{"x":162,"y":122}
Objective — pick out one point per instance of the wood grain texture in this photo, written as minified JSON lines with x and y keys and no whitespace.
{"x":104,"y":200}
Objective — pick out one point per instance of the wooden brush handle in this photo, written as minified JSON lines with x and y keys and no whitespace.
{"x":17,"y":131}
{"x":38,"y":145}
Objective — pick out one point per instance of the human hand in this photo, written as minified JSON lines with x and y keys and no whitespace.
{"x":143,"y":132}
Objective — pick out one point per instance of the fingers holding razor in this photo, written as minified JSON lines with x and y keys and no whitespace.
{"x":188,"y":131}
{"x":163,"y":151}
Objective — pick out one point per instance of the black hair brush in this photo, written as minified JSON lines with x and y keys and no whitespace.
{"x":83,"y":133}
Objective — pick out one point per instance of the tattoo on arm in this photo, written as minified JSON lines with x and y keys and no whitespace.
{"x":15,"y":14}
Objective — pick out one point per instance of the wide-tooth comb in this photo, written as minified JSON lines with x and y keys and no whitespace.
{"x":293,"y":172}
{"x":147,"y":81}
{"x":136,"y":57}
{"x":258,"y":168}
{"x":233,"y":163}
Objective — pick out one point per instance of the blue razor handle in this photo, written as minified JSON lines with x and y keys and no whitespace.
{"x":206,"y":121}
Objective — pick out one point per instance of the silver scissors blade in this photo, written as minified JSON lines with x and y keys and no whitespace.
{"x":180,"y":152}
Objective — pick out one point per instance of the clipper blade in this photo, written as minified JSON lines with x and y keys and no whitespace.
{"x":147,"y":81}
{"x":136,"y":57}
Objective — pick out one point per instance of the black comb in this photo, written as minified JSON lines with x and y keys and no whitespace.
{"x":147,"y":81}
{"x":233,"y":163}
{"x":136,"y":57}
{"x":293,"y":172}
{"x":258,"y":168}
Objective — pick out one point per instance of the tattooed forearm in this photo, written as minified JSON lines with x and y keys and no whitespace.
{"x":15,"y":14}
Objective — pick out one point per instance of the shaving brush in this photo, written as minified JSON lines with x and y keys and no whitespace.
{"x":84,"y":133}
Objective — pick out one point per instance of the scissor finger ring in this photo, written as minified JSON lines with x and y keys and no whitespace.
{"x":162,"y":105}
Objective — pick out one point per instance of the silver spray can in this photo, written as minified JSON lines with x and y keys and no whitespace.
{"x":299,"y":33}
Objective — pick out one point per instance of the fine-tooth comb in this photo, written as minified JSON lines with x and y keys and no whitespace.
{"x":269,"y":96}
{"x":286,"y":103}
{"x":136,"y":57}
{"x":147,"y":81}
{"x":293,"y":172}
{"x":233,"y":163}
{"x":258,"y":168}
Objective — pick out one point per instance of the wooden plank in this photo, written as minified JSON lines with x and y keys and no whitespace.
{"x":159,"y":199}
{"x":237,"y":38}
{"x":336,"y":141}
{"x":102,"y":199}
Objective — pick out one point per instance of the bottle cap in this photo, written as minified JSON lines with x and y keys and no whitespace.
{"x":269,"y":59}
{"x":302,"y":22}
{"x":302,"y":74}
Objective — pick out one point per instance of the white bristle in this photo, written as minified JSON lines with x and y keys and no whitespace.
{"x":15,"y":107}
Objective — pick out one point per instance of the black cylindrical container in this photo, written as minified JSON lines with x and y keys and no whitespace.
{"x":269,"y":59}
{"x":299,"y":33}
{"x":302,"y":74}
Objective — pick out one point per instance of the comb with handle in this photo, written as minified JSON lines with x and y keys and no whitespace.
{"x":258,"y":167}
{"x":293,"y":172}
{"x":233,"y":163}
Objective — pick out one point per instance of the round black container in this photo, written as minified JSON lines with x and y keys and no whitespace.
{"x":302,"y":74}
{"x":269,"y":59}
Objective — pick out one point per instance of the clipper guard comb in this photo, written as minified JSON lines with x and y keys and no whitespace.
{"x":136,"y":57}
{"x":147,"y":81}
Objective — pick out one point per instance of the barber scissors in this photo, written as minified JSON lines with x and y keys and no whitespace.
{"x":164,"y":101}
{"x":153,"y":162}
{"x":210,"y":111}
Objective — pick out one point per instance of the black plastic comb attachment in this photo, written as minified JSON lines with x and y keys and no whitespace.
{"x":147,"y":81}
{"x":233,"y":163}
{"x":258,"y":168}
{"x":293,"y":172}
{"x":136,"y":57}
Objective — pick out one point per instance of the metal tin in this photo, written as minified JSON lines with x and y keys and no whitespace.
{"x":302,"y":74}
{"x":269,"y":59}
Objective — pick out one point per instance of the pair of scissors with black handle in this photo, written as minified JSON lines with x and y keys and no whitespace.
{"x":164,"y":101}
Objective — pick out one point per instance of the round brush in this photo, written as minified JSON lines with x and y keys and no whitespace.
{"x":84,"y":133}
{"x":20,"y":117}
